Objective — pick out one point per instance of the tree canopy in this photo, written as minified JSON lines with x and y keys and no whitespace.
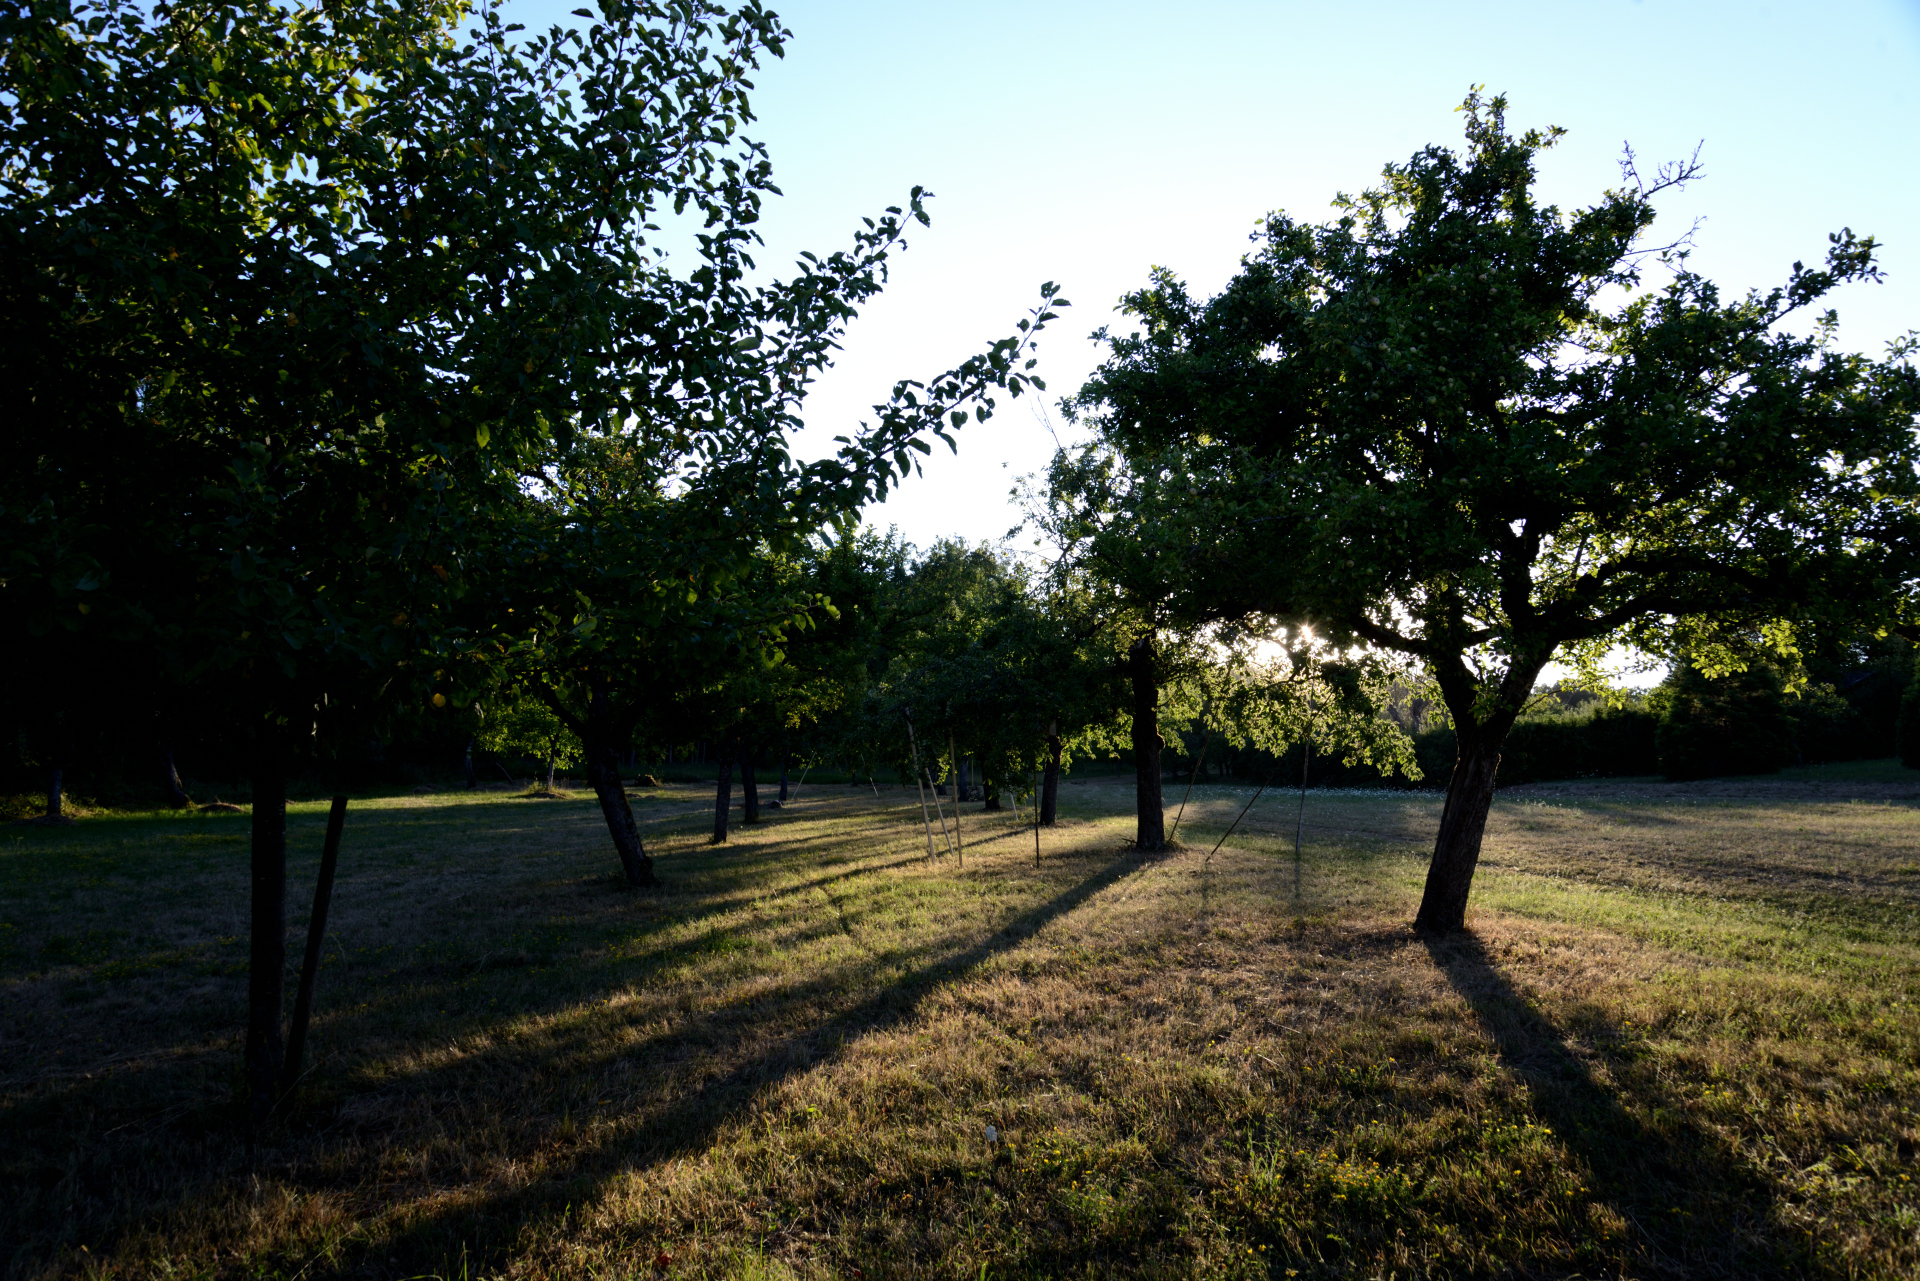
{"x":1486,"y":440}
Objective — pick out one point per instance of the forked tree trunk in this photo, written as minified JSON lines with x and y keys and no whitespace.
{"x":723,"y":798}
{"x":1150,"y":831}
{"x":603,"y":772}
{"x":749,"y":788}
{"x":177,"y":797}
{"x":267,"y":956}
{"x":1050,"y":783}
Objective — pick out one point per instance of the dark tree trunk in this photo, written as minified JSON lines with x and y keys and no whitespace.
{"x":749,"y":788}
{"x":963,"y":779}
{"x":990,"y":792}
{"x":310,"y":963}
{"x":56,"y":797}
{"x":1456,"y":849}
{"x":1050,"y":783}
{"x":472,"y":782}
{"x":267,"y":959}
{"x":723,"y":799}
{"x":786,"y":763}
{"x":603,"y":772}
{"x":1150,"y":832}
{"x":177,"y":797}
{"x":553,"y":751}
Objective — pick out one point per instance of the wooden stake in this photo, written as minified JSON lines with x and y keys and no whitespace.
{"x":1194,"y":777}
{"x":1300,"y":823}
{"x":310,"y":965}
{"x":1036,"y":818}
{"x":938,"y":812}
{"x":925,"y":820}
{"x":1243,"y":813}
{"x":959,"y":846}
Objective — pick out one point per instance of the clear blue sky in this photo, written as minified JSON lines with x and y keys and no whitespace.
{"x":1083,"y":142}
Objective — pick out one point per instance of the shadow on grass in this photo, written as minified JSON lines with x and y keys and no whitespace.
{"x":1696,"y":1209}
{"x":481,"y":1232}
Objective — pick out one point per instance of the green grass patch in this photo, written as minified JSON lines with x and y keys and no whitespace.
{"x":1680,"y":1039}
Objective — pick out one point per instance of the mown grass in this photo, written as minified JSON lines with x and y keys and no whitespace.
{"x":1679,"y":1040}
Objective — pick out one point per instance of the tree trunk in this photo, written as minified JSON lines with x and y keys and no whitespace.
{"x":1456,"y":850}
{"x":177,"y":797}
{"x":603,"y":772}
{"x":56,"y":797}
{"x":553,"y":751}
{"x":786,"y":763}
{"x":990,"y":793}
{"x":267,"y":959}
{"x":1150,"y":831}
{"x":1050,"y":783}
{"x":472,"y":782}
{"x":723,"y":799}
{"x":749,"y":788}
{"x":963,"y":779}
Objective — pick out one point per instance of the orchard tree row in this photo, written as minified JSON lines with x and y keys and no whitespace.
{"x":386,"y":361}
{"x":366,"y":358}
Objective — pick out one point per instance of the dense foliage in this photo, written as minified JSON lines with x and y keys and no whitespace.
{"x":1485,"y":443}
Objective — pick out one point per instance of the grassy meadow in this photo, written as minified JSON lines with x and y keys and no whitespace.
{"x":1680,"y":1040}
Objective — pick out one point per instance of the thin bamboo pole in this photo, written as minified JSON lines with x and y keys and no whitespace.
{"x":959,"y":846}
{"x":1035,"y":807}
{"x":310,"y":964}
{"x":938,"y":811}
{"x":925,"y":820}
{"x":1243,"y":813}
{"x":1191,"y":779}
{"x":1300,"y":823}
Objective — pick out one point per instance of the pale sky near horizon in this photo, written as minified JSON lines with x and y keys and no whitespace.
{"x":1083,"y":143}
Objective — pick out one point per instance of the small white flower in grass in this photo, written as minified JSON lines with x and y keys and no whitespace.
{"x":993,"y":1135}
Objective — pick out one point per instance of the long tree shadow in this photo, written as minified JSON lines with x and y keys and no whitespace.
{"x":481,"y":1231}
{"x":1696,"y":1208}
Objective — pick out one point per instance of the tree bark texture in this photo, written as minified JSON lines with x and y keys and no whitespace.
{"x":1150,"y":831}
{"x":267,"y":957}
{"x":749,"y":788}
{"x":1480,"y":733}
{"x":603,"y":773}
{"x":1050,"y":783}
{"x":1456,"y":849}
{"x":723,"y":798}
{"x":177,"y":797}
{"x":786,"y":763}
{"x":56,"y":796}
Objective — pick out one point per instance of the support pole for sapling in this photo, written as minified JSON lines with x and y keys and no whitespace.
{"x":926,"y":820}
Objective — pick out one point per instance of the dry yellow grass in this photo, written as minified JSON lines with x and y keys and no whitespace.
{"x":1679,"y":1041}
